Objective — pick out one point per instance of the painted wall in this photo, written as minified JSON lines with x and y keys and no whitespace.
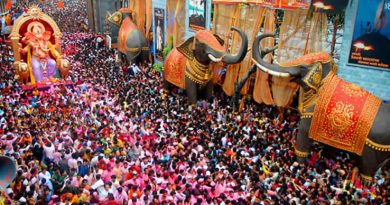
{"x":377,"y":81}
{"x":189,"y":32}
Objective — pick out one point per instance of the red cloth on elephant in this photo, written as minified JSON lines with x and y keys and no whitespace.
{"x":174,"y":68}
{"x":309,"y":59}
{"x":343,"y":115}
{"x":208,"y":38}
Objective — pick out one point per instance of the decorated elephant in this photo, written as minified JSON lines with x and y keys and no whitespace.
{"x":334,"y":112}
{"x":190,"y":65}
{"x":131,"y":41}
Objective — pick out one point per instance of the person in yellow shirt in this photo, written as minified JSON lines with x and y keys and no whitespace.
{"x":26,"y":138}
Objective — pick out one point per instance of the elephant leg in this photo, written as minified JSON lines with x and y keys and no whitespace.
{"x":130,"y":59}
{"x":167,"y":89}
{"x":144,"y":57}
{"x":122,"y":58}
{"x":370,"y":162}
{"x":375,"y":156}
{"x":208,"y":90}
{"x":192,"y":91}
{"x":303,"y":141}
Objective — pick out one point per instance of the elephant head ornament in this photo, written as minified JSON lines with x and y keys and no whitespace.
{"x":131,"y":41}
{"x":189,"y":66}
{"x":333,"y":111}
{"x":23,"y":72}
{"x":64,"y":68}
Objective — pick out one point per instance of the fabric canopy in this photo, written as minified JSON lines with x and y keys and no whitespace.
{"x":298,"y":36}
{"x":142,"y":14}
{"x":262,"y":90}
{"x":247,"y":18}
{"x":176,"y":26}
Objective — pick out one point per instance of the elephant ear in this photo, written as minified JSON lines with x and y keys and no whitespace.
{"x":220,"y":40}
{"x":186,"y":48}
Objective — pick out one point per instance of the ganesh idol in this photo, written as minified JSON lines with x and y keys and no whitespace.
{"x":42,"y":57}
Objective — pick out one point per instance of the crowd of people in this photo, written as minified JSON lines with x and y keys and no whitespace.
{"x":111,"y":139}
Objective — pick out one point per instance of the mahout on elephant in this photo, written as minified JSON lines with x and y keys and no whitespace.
{"x":333,"y":112}
{"x":190,"y":65}
{"x":131,"y":41}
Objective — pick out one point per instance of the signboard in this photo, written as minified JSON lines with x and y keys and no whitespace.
{"x":197,"y":14}
{"x":371,"y":38}
{"x":160,"y":34}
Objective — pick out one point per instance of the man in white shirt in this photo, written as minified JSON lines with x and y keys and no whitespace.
{"x":136,"y":69}
{"x":49,"y":150}
{"x":99,"y":185}
{"x":44,"y":174}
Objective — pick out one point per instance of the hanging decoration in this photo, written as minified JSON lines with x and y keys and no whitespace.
{"x":60,"y":4}
{"x":297,"y":37}
{"x":272,"y":4}
{"x":286,"y":4}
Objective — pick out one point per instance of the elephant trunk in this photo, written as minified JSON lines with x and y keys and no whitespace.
{"x":233,"y":59}
{"x":272,"y":69}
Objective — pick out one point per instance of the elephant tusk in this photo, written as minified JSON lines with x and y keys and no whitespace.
{"x":214,"y":59}
{"x":273,"y":73}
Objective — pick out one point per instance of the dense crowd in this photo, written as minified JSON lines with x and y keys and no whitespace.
{"x":111,"y":139}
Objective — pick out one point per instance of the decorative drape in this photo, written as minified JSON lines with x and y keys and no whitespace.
{"x":142,"y":14}
{"x":148,"y":18}
{"x":298,"y":36}
{"x":248,"y":18}
{"x":262,"y":91}
{"x":292,"y":42}
{"x":223,"y":19}
{"x":251,"y":27}
{"x":232,"y":70}
{"x":176,"y":25}
{"x":138,"y":9}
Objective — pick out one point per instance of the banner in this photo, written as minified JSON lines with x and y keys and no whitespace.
{"x":160,"y":34}
{"x":371,"y":37}
{"x":197,"y":14}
